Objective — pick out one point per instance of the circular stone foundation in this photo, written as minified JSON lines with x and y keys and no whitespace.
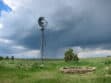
{"x":80,"y":70}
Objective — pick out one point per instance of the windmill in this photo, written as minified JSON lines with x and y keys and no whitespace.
{"x":42,"y":23}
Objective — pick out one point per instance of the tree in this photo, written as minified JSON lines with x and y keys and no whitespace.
{"x":70,"y":56}
{"x":12,"y":58}
{"x":7,"y":58}
{"x":1,"y":58}
{"x":75,"y":58}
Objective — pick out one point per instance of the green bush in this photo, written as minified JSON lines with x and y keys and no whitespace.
{"x":35,"y":65}
{"x":1,"y":58}
{"x":7,"y":58}
{"x":70,"y":56}
{"x":12,"y":57}
{"x":109,"y":70}
{"x":107,"y":62}
{"x":75,"y":57}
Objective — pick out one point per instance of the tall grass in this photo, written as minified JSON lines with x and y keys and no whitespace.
{"x":31,"y":71}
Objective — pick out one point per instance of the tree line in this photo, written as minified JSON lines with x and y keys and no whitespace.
{"x":7,"y":58}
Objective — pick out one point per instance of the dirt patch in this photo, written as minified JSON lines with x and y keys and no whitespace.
{"x":80,"y":70}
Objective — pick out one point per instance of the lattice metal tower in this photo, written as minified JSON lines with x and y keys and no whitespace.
{"x":42,"y":23}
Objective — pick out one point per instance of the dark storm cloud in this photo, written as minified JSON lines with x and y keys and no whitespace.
{"x":76,"y":29}
{"x":85,"y":28}
{"x":85,"y":24}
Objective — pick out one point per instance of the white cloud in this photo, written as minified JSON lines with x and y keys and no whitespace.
{"x":95,"y":53}
{"x":90,"y":52}
{"x":18,"y":47}
{"x":1,"y":26}
{"x":28,"y":54}
{"x":5,"y":41}
{"x":14,"y":4}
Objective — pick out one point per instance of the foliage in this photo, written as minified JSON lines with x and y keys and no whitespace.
{"x":109,"y":70}
{"x":75,"y":57}
{"x":7,"y":58}
{"x":9,"y":73}
{"x":12,"y":58}
{"x":107,"y":62}
{"x":70,"y":56}
{"x":1,"y":58}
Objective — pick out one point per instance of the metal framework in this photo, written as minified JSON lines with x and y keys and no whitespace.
{"x":42,"y":23}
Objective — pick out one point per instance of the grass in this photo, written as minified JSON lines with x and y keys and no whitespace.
{"x":30,"y":71}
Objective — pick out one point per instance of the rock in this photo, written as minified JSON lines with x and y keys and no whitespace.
{"x":80,"y":70}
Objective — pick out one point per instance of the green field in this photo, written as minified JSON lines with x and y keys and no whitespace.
{"x":30,"y":71}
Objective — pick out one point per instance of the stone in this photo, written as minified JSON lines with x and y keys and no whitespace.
{"x":80,"y":70}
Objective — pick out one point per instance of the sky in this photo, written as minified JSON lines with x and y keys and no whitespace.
{"x":83,"y":25}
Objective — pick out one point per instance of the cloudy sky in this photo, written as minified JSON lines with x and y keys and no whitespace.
{"x":84,"y":25}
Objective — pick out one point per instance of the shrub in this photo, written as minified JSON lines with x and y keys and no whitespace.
{"x":1,"y":58}
{"x":70,"y":56}
{"x":109,"y":70}
{"x":35,"y":65}
{"x":24,"y":67}
{"x":7,"y":58}
{"x":107,"y":62}
{"x":12,"y":58}
{"x":75,"y":57}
